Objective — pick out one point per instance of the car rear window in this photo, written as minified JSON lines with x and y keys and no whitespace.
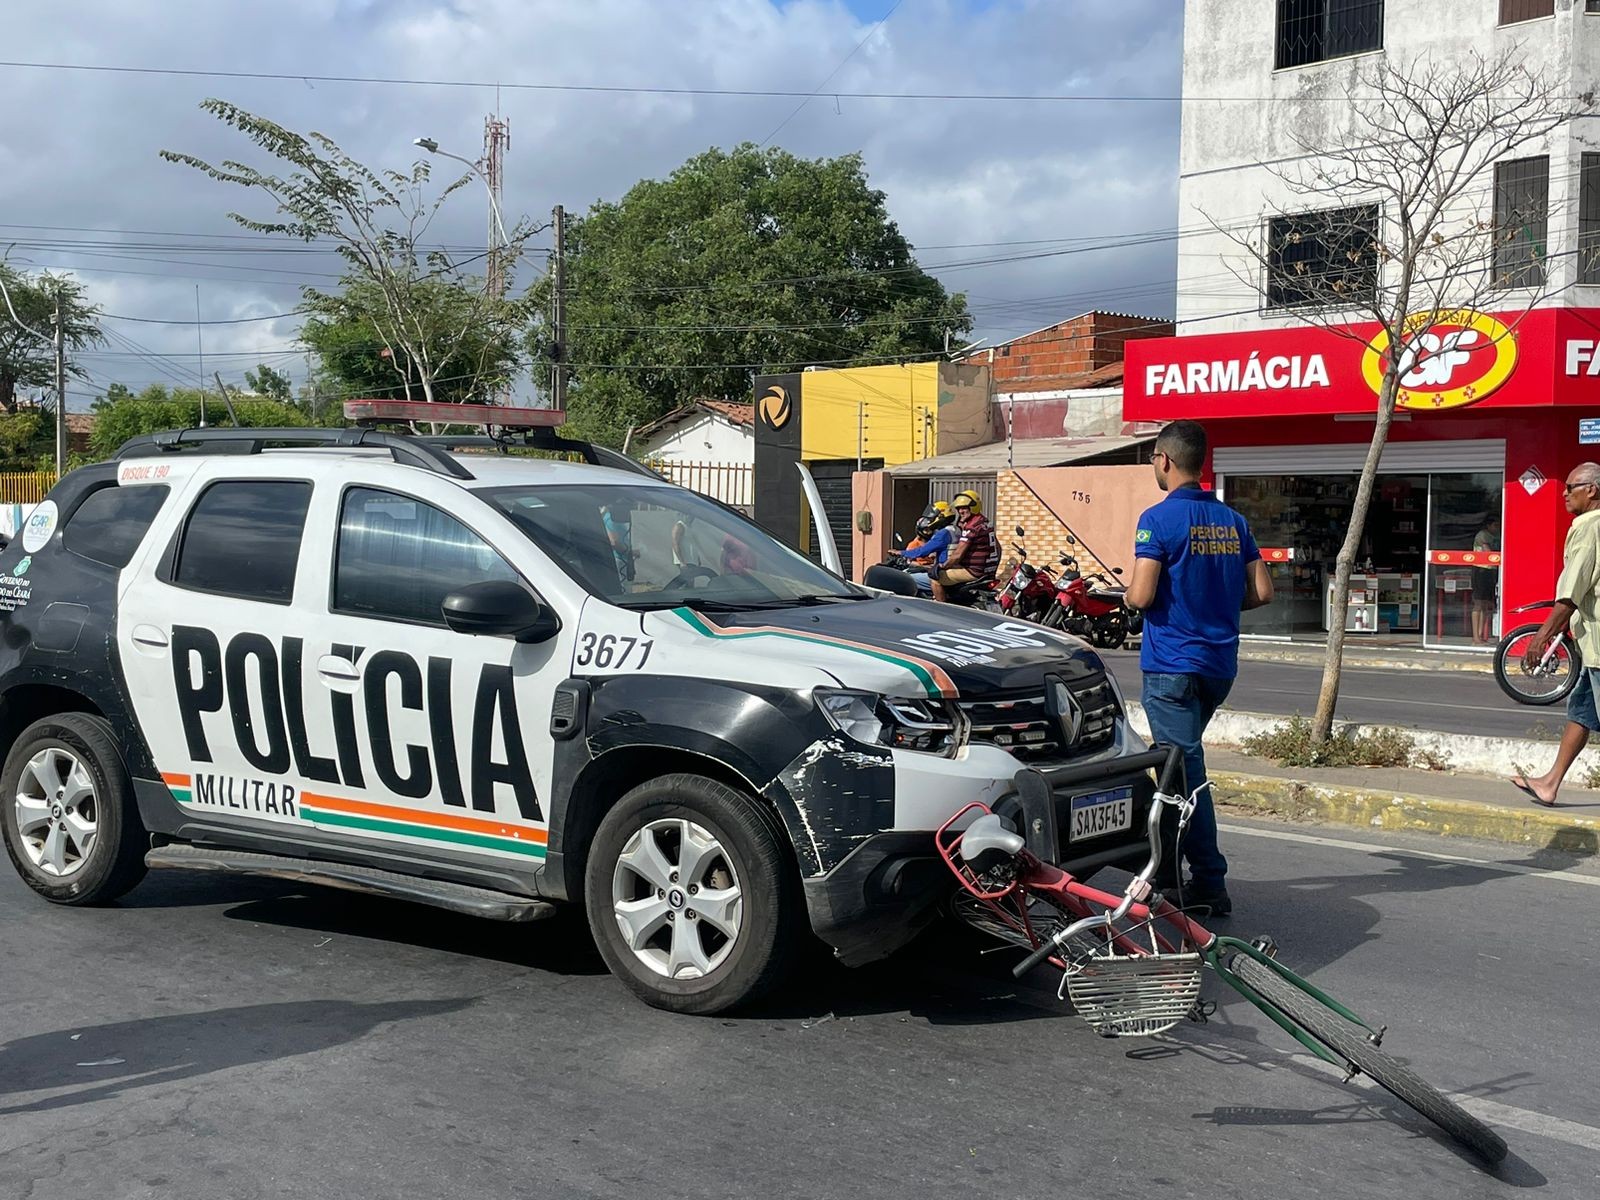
{"x":111,"y":522}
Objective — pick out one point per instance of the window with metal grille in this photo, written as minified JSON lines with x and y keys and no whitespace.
{"x":1310,"y":31}
{"x":1589,"y":213}
{"x":1321,"y":258}
{"x":1591,"y":6}
{"x":1512,"y":11}
{"x":1521,"y":217}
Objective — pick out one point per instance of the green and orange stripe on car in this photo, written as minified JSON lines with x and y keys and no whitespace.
{"x":485,"y":833}
{"x":933,"y":678}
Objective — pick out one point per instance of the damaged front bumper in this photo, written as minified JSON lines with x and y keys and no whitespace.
{"x":891,"y":883}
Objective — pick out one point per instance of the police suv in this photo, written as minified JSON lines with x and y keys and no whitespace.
{"x":497,"y":683}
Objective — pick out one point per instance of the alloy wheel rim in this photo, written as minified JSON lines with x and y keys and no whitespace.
{"x":677,"y":899}
{"x":57,"y":812}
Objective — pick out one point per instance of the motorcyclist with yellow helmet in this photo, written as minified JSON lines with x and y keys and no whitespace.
{"x":976,"y":552}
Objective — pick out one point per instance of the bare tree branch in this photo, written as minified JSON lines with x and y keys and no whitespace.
{"x":1390,"y":228}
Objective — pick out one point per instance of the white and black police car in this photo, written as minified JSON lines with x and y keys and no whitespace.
{"x":499,"y":683}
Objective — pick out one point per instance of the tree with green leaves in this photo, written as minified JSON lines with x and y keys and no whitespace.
{"x":121,"y":414}
{"x":485,"y":341}
{"x":376,"y":220}
{"x":740,"y":262}
{"x":26,"y":360}
{"x":267,"y":382}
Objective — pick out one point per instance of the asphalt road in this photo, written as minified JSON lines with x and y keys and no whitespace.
{"x":1451,"y":701}
{"x":216,"y":1036}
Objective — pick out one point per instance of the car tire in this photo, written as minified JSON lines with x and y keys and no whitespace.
{"x":72,"y":826}
{"x":667,"y":846}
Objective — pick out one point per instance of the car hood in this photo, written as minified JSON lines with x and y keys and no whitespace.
{"x":901,"y":647}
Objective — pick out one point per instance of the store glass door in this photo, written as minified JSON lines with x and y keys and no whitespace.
{"x":1464,"y":560}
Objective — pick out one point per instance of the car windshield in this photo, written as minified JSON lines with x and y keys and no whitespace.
{"x":641,"y":546}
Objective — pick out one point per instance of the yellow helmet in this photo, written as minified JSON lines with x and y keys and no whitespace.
{"x":942,"y":507}
{"x":971,"y":498}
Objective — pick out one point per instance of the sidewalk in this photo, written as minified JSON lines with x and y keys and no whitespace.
{"x":1380,"y":658}
{"x":1439,"y":802}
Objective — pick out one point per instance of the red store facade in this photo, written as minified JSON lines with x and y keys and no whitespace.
{"x":1467,"y":520}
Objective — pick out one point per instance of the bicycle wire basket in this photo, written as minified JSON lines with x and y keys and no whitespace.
{"x":1133,"y":995}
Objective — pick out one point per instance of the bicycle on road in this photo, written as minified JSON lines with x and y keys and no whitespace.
{"x":1132,"y":963}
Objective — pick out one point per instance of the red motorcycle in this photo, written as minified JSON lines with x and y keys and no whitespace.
{"x":1030,"y":592}
{"x":1091,"y":607}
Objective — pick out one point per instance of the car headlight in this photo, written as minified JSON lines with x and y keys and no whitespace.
{"x":880,"y":721}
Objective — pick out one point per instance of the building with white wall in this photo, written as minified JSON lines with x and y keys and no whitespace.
{"x":1467,"y":519}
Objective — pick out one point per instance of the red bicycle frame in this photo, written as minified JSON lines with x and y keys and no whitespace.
{"x":1034,"y":877}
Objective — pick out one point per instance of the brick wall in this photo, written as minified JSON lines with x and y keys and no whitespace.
{"x":1016,"y":504}
{"x":1058,"y":356}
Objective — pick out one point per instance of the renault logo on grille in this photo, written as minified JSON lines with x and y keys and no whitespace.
{"x":1067,"y":710}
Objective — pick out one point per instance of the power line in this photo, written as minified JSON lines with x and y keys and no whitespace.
{"x":882,"y":21}
{"x":620,"y":89}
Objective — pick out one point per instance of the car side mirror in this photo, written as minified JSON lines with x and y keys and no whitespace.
{"x":887,"y":579}
{"x":500,"y":608}
{"x":1021,"y":532}
{"x":1071,"y":541}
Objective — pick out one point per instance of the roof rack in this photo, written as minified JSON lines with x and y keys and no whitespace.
{"x":543,"y":439}
{"x":410,"y":451}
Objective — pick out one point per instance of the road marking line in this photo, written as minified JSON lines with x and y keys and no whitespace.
{"x":1509,"y":1116}
{"x":1387,"y":700}
{"x":1284,"y":835}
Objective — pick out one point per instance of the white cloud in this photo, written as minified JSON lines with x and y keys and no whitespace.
{"x":86,"y":155}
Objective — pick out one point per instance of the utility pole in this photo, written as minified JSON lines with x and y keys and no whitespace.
{"x":558,"y":313}
{"x":61,"y":387}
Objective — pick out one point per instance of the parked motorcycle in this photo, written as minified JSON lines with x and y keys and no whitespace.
{"x":1092,"y":607}
{"x":1029,"y":591}
{"x":1549,"y":680}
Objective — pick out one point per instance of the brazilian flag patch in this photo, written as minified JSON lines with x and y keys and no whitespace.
{"x":1142,"y":536}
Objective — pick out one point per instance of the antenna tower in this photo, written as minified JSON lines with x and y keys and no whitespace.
{"x":496,"y":141}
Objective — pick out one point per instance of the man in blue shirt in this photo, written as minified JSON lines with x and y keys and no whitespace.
{"x":1196,"y":567}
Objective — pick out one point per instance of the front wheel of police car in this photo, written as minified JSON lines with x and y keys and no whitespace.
{"x":71,"y":825}
{"x":690,"y":895}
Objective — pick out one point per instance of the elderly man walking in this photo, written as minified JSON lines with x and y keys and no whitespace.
{"x":1578,"y":607}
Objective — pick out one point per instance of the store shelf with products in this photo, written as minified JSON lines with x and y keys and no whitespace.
{"x":1362,"y":614}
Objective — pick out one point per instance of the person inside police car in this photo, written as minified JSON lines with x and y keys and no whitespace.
{"x":1196,"y":568}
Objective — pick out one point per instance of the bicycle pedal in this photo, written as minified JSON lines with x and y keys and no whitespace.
{"x":1200,"y":1012}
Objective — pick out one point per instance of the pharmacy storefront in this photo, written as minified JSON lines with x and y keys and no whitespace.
{"x":1466,"y":520}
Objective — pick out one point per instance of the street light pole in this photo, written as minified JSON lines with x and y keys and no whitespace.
{"x":61,"y":388}
{"x":432,"y":147}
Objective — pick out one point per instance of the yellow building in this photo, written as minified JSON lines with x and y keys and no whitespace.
{"x":857,"y":418}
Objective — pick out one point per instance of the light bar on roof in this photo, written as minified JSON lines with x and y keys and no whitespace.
{"x":504,"y":417}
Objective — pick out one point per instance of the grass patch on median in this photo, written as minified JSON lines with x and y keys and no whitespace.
{"x":1290,"y":745}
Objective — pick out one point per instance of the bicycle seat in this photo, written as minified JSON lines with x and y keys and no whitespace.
{"x":988,"y":843}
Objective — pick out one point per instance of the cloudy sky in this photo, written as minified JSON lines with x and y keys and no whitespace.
{"x":1039,"y":186}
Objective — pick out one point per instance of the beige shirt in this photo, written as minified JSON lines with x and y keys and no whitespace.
{"x":1580,"y":582}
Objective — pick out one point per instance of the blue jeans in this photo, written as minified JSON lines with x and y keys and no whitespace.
{"x":1179,"y":707}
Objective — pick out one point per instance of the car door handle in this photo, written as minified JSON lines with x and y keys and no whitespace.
{"x":148,"y":637}
{"x":336,"y":671}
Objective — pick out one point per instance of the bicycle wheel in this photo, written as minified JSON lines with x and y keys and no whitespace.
{"x":1346,"y":1042}
{"x":1548,"y":684}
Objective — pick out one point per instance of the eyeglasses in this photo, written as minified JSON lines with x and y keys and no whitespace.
{"x":1572,"y":487}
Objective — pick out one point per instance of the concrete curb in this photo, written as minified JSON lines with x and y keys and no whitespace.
{"x":1473,"y":753}
{"x":1303,"y":800}
{"x":1361,"y":808}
